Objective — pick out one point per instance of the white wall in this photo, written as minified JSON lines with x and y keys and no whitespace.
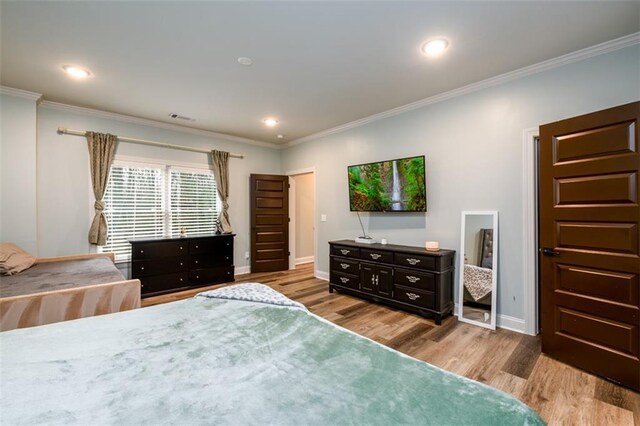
{"x":18,"y":222}
{"x":64,"y":189}
{"x":304,"y":215}
{"x":473,"y":147}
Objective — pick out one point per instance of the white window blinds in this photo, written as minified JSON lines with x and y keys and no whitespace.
{"x":194,"y":201}
{"x":153,"y":201}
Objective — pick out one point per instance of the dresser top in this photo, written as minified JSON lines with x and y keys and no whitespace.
{"x":177,"y":238}
{"x":395,"y":247}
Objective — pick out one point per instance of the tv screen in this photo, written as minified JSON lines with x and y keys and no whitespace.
{"x":394,"y":185}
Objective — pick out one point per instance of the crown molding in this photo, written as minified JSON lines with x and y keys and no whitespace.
{"x":19,"y":93}
{"x":153,"y":123}
{"x":579,"y":55}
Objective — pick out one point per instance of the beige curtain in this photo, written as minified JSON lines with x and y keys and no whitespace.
{"x":102,"y":147}
{"x":220,"y":160}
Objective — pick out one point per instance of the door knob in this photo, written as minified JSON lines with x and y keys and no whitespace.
{"x":547,"y":251}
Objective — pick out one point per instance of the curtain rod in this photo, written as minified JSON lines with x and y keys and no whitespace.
{"x":65,"y":131}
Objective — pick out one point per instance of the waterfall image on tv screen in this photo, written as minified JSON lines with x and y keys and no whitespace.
{"x":395,"y":185}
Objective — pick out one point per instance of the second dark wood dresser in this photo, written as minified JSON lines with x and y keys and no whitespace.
{"x":405,"y":277}
{"x":165,"y":265}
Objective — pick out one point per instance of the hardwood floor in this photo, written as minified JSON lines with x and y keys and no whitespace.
{"x":509,"y":361}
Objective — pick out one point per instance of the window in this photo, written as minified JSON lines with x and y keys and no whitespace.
{"x":152,"y":201}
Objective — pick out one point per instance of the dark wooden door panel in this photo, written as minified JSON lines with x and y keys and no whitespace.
{"x":604,"y":189}
{"x":615,"y":286}
{"x":594,"y":143}
{"x":598,"y":236}
{"x":589,"y":222}
{"x":269,"y":223}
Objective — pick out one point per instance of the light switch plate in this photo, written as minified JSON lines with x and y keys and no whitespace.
{"x":323,"y":218}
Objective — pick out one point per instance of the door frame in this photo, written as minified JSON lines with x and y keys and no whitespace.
{"x":530,"y":276}
{"x":292,"y":215}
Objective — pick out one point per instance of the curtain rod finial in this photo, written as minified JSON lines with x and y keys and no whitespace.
{"x":61,"y":130}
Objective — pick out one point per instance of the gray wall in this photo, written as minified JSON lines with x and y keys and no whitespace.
{"x":304,"y":215}
{"x":64,"y":189}
{"x":473,"y":147}
{"x":18,"y":172}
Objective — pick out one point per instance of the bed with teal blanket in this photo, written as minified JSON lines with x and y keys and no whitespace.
{"x":242,"y":355}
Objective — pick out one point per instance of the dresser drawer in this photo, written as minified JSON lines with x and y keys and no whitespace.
{"x":345,"y":266}
{"x":424,"y":299}
{"x":376,"y":255}
{"x":159,"y":249}
{"x":217,"y":245}
{"x":160,"y":266}
{"x":419,"y":280}
{"x":345,"y":280}
{"x":211,"y":275}
{"x":160,"y":283}
{"x":415,"y":261}
{"x":210,"y":261}
{"x":345,"y":251}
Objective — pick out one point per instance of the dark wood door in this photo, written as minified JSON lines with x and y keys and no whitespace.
{"x":589,"y":232}
{"x":269,"y":223}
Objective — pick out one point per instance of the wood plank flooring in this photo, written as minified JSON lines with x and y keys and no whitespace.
{"x":506,"y":360}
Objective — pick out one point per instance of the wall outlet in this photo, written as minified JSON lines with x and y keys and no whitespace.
{"x":323,"y":218}
{"x":246,"y":255}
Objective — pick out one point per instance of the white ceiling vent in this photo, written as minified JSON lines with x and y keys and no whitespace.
{"x":180,"y":117}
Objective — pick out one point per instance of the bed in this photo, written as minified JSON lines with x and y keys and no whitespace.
{"x":64,"y":288}
{"x":478,"y":281}
{"x":240,"y":355}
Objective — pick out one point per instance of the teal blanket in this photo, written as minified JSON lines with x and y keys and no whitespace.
{"x":213,"y":361}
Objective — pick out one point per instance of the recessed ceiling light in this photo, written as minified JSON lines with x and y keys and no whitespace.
{"x":280,"y":136}
{"x":271,"y":122}
{"x":434,"y":47}
{"x":243,"y":60}
{"x":76,"y":72}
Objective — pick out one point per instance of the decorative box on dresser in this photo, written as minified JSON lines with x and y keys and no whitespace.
{"x":165,"y":265}
{"x":406,"y":277}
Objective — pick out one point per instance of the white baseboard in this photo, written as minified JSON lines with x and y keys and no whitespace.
{"x":503,"y":321}
{"x":241,"y":270}
{"x":322,"y":275}
{"x":511,"y":323}
{"x":301,"y":260}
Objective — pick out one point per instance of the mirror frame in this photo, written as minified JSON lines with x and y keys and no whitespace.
{"x":494,"y":277}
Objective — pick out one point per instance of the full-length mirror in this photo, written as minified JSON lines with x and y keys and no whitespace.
{"x":478,"y":268}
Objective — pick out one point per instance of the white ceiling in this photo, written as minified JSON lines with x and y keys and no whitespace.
{"x":316,"y":65}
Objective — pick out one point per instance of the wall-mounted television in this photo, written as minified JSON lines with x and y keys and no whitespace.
{"x":388,"y":186}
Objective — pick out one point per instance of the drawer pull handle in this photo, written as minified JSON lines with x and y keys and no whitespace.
{"x":344,"y":280}
{"x":377,"y":276}
{"x":413,"y":296}
{"x":345,"y":251}
{"x":180,"y":247}
{"x":141,"y":285}
{"x":181,"y":263}
{"x":344,"y":265}
{"x":413,"y":261}
{"x":197,"y":276}
{"x":141,"y":251}
{"x":142,"y":268}
{"x":196,"y":262}
{"x":181,"y":279}
{"x":375,"y":256}
{"x":413,"y":279}
{"x":196,"y":246}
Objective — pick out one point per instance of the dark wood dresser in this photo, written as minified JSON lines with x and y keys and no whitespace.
{"x":406,"y":277}
{"x":165,"y":265}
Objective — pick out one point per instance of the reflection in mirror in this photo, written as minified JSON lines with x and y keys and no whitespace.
{"x":478,"y":266}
